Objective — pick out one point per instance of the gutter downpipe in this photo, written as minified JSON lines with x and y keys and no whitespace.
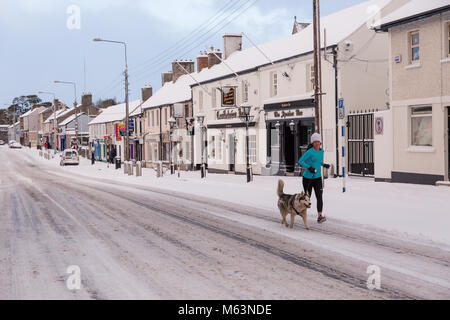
{"x":335,"y":60}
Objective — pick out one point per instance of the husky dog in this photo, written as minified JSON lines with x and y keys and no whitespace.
{"x":296,"y":204}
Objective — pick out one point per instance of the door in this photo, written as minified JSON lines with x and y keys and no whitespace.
{"x":448,"y":140}
{"x":231,"y":152}
{"x":289,"y":149}
{"x":360,"y":144}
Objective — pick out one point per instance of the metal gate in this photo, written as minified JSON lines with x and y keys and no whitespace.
{"x":360,"y":144}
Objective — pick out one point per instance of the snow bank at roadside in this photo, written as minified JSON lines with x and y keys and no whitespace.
{"x":415,"y":211}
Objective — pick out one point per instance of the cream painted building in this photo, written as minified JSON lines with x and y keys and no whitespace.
{"x":276,"y":80}
{"x":419,"y":118}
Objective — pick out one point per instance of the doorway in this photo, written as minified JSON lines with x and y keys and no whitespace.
{"x":448,"y":141}
{"x":289,"y":149}
{"x":231,"y":153}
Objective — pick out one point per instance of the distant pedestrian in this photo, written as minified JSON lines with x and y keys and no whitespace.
{"x":112,"y":155}
{"x":92,"y":156}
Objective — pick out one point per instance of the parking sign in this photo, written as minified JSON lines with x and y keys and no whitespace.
{"x":341,"y":109}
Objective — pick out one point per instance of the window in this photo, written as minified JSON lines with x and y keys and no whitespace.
{"x":213,"y":98}
{"x":421,"y":126}
{"x":153,"y":118}
{"x":200,"y":100}
{"x":157,"y":117}
{"x":415,"y":46}
{"x":252,"y":148}
{"x":165,"y":116}
{"x":148,"y":118}
{"x":311,"y":78}
{"x":273,"y":84}
{"x":448,"y":39}
{"x":219,"y":148}
{"x":244,"y":91}
{"x":212,"y":143}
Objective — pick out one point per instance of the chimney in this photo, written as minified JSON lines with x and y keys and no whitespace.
{"x":166,"y":77}
{"x":298,"y":26}
{"x":178,"y":71}
{"x":147,"y":92}
{"x":212,"y":59}
{"x":86,"y":99}
{"x":202,"y":61}
{"x":231,"y":44}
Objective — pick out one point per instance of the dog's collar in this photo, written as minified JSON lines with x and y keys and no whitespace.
{"x":293,"y":207}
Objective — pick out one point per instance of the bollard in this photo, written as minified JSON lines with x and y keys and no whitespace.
{"x":130,"y":168}
{"x":125,"y":167}
{"x":138,"y":169}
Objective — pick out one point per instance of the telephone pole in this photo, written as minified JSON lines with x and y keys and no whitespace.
{"x":317,"y":68}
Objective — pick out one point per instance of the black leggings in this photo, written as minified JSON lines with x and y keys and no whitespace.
{"x":309,"y":184}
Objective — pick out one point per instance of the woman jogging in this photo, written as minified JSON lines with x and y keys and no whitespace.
{"x":312,"y":161}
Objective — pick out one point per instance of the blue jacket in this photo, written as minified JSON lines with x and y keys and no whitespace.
{"x":312,"y":158}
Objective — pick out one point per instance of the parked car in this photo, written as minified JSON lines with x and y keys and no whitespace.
{"x":70,"y":156}
{"x":15,"y":145}
{"x":2,"y":142}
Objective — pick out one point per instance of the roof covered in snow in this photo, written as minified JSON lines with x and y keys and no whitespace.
{"x":413,"y":9}
{"x":71,"y":118}
{"x":116,"y":112}
{"x":339,"y":26}
{"x":171,"y":92}
{"x":59,"y":114}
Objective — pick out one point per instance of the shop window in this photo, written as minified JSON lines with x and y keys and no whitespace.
{"x":252,"y":148}
{"x":421,"y":126}
{"x":414,"y":46}
{"x":212,"y":143}
{"x":219,"y":148}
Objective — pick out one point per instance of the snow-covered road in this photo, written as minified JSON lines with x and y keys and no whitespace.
{"x":143,"y":242}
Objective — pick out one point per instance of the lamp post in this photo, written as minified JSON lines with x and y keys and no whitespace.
{"x":127,"y":137}
{"x":54,"y":118}
{"x":172,"y":123}
{"x":74,"y":105}
{"x":245,"y":116}
{"x":200,"y":119}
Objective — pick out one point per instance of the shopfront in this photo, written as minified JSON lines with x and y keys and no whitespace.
{"x":289,"y":129}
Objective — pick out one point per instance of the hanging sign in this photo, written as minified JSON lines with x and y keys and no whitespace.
{"x":228,"y":96}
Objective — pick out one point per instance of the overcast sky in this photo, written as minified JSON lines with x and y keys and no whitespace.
{"x":42,"y":40}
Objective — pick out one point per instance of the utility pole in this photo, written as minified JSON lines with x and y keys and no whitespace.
{"x":317,"y":67}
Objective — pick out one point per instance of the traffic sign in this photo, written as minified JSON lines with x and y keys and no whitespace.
{"x":341,"y":109}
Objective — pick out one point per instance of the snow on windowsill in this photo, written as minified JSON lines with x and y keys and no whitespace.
{"x":413,"y":66}
{"x":447,"y":60}
{"x":422,"y":149}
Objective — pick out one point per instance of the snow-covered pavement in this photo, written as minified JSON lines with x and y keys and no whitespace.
{"x":214,"y":239}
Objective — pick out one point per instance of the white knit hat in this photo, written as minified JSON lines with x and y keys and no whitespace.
{"x":316,"y":137}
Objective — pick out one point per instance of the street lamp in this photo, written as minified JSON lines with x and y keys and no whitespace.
{"x":127,"y":137}
{"x":201,"y":119}
{"x":245,"y":116}
{"x":54,"y":118}
{"x":172,"y":123}
{"x":74,"y":105}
